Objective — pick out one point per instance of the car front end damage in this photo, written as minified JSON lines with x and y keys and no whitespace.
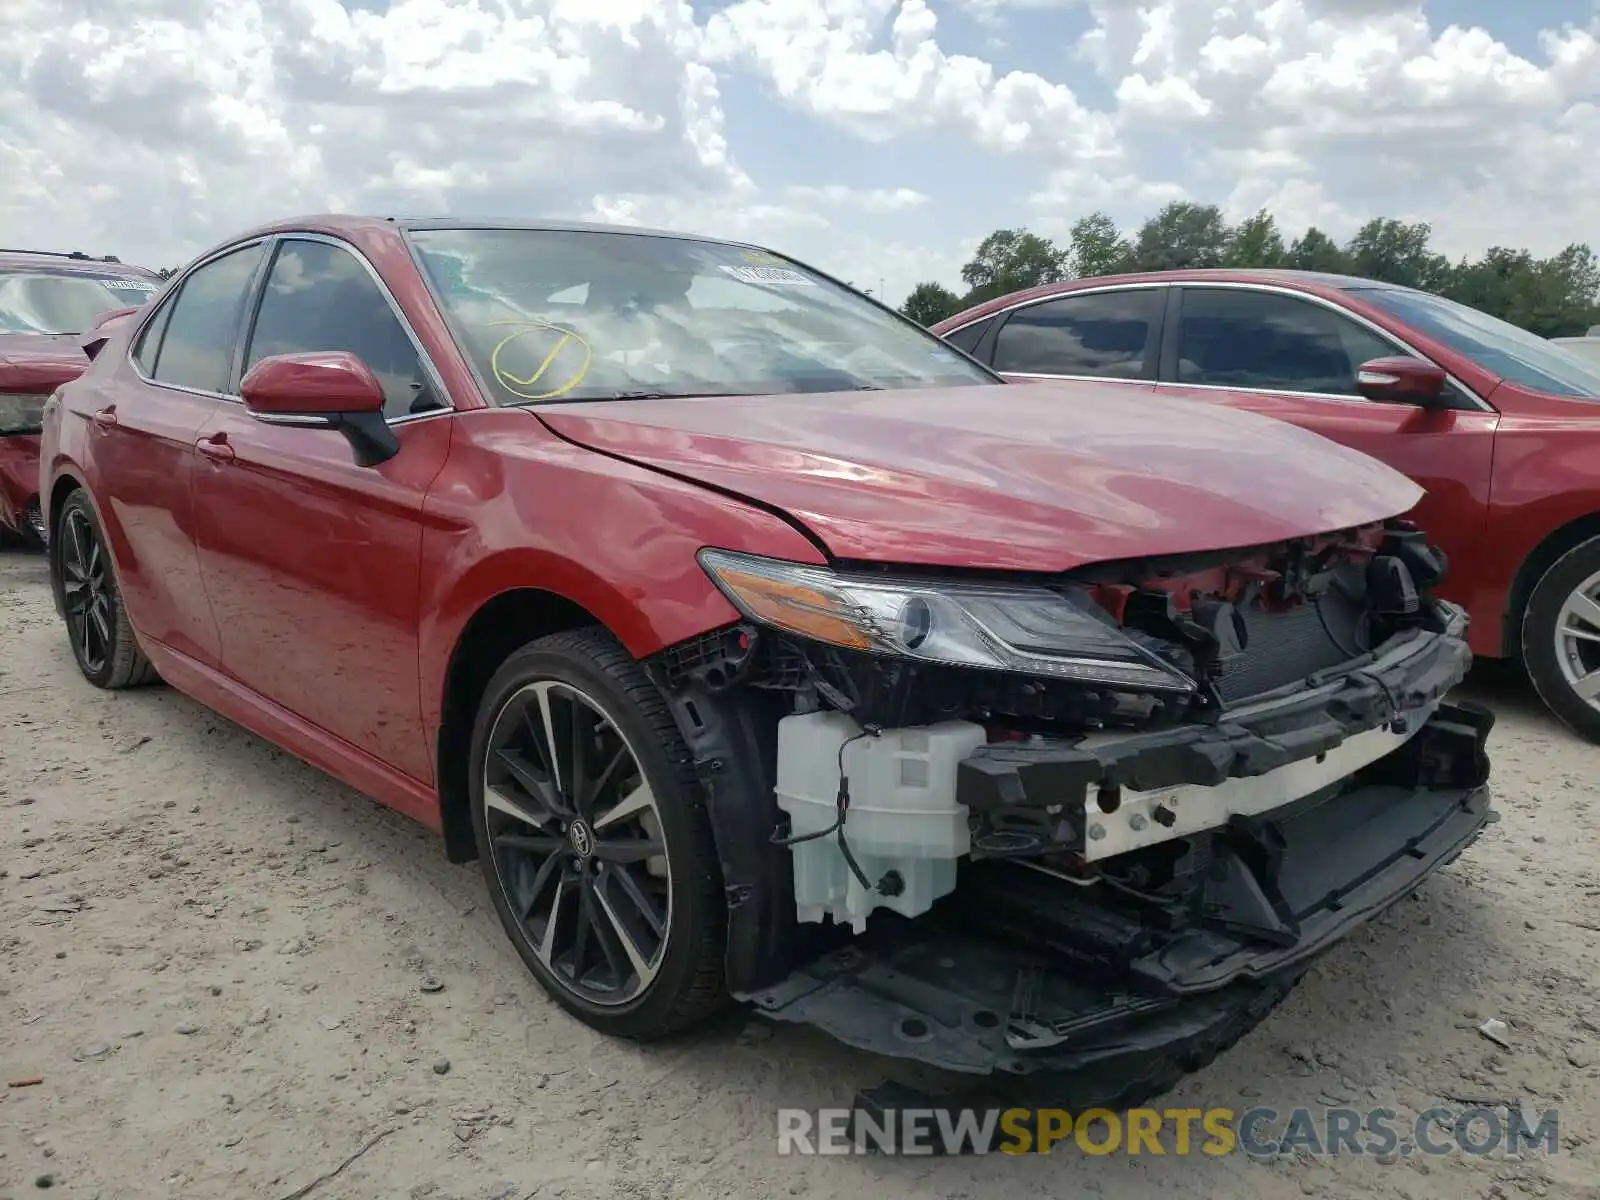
{"x":1010,"y":826}
{"x":19,"y":482}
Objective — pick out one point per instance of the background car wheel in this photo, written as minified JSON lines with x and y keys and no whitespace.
{"x":102,"y":640}
{"x":1561,"y":638}
{"x":593,"y":836}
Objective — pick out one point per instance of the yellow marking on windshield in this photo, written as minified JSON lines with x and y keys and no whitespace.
{"x":517,"y":385}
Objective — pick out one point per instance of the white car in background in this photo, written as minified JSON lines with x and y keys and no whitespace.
{"x":1587,"y":346}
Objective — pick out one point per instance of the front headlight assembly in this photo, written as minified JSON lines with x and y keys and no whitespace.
{"x":999,"y":627}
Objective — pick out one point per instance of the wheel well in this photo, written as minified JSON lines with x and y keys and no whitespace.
{"x":1544,"y":556}
{"x":64,"y":487}
{"x":501,"y":627}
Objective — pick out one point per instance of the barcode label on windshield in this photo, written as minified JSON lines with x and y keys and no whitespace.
{"x":779,"y":275}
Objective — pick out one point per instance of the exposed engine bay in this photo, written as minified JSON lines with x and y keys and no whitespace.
{"x":991,"y":824}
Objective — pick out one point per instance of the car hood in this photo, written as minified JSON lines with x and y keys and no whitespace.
{"x":39,"y":362}
{"x":1023,"y":477}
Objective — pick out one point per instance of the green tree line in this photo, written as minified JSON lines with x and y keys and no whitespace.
{"x":1554,"y":297}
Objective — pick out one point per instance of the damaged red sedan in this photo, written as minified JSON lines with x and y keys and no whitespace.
{"x":758,"y":647}
{"x":46,"y":301}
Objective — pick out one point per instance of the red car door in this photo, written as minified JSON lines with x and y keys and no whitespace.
{"x":141,"y":430}
{"x":1294,"y":357}
{"x":312,"y":562}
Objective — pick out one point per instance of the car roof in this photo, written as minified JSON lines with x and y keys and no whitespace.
{"x":1308,"y":281}
{"x":73,"y":261}
{"x":354,"y":225}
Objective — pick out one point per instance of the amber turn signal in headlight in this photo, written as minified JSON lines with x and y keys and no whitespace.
{"x":1001,"y":627}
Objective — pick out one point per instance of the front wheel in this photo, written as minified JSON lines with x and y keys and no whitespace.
{"x":1561,"y":638}
{"x":593,"y":836}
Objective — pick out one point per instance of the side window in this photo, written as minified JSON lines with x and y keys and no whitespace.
{"x":1104,"y":334}
{"x":319,"y":297}
{"x":1237,"y":338}
{"x":968,"y":336}
{"x":197,"y":348}
{"x":150,"y":340}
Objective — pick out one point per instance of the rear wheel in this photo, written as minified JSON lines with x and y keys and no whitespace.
{"x":593,"y":837}
{"x":103,"y":641}
{"x":1561,"y":638}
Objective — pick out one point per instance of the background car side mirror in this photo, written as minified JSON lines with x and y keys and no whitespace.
{"x":330,"y":389}
{"x":1401,"y":380}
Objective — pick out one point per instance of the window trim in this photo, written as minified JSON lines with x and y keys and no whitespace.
{"x":252,"y":307}
{"x":169,"y":300}
{"x":1475,"y":402}
{"x":1150,"y":364}
{"x":160,"y":315}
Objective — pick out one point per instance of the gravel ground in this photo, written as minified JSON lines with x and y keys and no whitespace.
{"x":232,"y":974}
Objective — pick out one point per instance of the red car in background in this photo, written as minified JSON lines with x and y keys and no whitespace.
{"x":1500,"y":426}
{"x":713,"y":607}
{"x":47,"y":301}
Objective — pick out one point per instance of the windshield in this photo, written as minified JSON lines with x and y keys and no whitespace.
{"x":44,"y":301}
{"x":554,"y":315}
{"x":1497,"y":346}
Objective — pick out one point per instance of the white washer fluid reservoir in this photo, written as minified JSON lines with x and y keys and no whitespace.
{"x":902,"y":815}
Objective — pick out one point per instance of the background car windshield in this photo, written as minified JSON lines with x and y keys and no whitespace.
{"x":550,"y":315}
{"x":61,"y":302}
{"x":1497,"y":346}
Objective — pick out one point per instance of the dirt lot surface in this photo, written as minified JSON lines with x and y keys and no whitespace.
{"x":225,"y":967}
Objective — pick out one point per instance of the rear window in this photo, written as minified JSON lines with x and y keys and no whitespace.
{"x":1098,"y":334}
{"x":39,"y":300}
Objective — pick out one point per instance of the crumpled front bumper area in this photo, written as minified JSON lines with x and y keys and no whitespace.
{"x":1021,"y":970}
{"x":19,"y":484}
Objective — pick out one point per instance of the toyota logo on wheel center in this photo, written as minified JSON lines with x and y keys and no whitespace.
{"x":582,"y":841}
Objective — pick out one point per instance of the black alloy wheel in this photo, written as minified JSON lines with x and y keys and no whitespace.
{"x":593,"y":837}
{"x":577,"y":842}
{"x":87,"y":592}
{"x":102,"y":638}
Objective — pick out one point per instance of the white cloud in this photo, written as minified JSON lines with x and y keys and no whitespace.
{"x":873,"y":200}
{"x":152,"y":128}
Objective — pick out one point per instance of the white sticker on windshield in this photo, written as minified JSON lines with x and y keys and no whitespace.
{"x":128,"y":285}
{"x":783,"y":276}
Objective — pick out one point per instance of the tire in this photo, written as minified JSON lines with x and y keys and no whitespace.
{"x":103,"y":642}
{"x":544,"y":870}
{"x":1553,"y":661}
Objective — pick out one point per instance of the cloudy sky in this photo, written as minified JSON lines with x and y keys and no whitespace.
{"x":879,"y":139}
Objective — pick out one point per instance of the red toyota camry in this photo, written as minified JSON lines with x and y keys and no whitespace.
{"x":758,"y":645}
{"x":46,"y":301}
{"x":1501,"y":427}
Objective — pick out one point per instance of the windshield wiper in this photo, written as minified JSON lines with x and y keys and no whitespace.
{"x":664,"y":395}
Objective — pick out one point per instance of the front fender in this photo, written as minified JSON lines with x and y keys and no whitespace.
{"x":516,"y":507}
